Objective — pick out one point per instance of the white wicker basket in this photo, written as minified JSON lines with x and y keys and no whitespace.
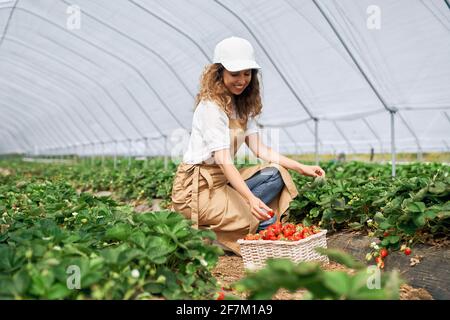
{"x":256,"y":252}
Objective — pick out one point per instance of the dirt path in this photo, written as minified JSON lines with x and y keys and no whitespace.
{"x":231,"y":269}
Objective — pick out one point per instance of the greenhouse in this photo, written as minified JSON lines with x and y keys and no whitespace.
{"x":101,"y":103}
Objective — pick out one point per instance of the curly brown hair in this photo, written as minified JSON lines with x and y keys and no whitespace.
{"x":248,"y":103}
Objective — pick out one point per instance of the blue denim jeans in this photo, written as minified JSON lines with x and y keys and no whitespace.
{"x":266,"y":184}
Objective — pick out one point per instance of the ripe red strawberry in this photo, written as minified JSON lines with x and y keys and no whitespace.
{"x":407,"y":251}
{"x":288,"y":233}
{"x":386,"y":234}
{"x":221,"y":295}
{"x":384,"y":253}
{"x":289,"y":226}
{"x":270,"y":213}
{"x":296,"y":237}
{"x":277,"y":229}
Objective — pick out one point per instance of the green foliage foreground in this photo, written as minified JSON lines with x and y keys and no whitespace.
{"x":50,"y":229}
{"x":49,"y":232}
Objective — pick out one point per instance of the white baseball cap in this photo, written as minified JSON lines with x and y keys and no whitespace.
{"x":235,"y":54}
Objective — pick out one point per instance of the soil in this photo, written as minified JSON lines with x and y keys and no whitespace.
{"x":418,"y":269}
{"x":230,"y":269}
{"x":143,"y":206}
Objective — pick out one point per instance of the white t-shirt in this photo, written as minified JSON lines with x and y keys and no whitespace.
{"x":210,"y":132}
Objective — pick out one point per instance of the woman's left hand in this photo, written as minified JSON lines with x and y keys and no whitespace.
{"x":311,"y":171}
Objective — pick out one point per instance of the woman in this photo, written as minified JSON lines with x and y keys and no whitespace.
{"x":208,"y":188}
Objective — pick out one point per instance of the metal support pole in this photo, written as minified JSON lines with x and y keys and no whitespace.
{"x":92,"y":154}
{"x":88,"y":153}
{"x":316,"y":140}
{"x":83,"y":153}
{"x":76,"y":156}
{"x":103,"y":153}
{"x":146,"y":151}
{"x":393,"y":142}
{"x":166,"y":156}
{"x":115,"y":154}
{"x":446,"y":145}
{"x":129,"y":153}
{"x":79,"y":151}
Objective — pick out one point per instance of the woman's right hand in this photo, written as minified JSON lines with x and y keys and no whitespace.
{"x":256,"y":206}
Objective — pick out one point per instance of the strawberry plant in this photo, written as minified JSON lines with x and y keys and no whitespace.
{"x":47,"y":228}
{"x":410,"y":208}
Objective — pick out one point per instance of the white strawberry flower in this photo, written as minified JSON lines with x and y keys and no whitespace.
{"x":203,"y":262}
{"x":135,"y":273}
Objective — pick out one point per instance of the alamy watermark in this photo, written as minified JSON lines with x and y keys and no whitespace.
{"x":179,"y":141}
{"x":74,"y":278}
{"x":73,"y":21}
{"x":374,"y":279}
{"x":374,"y":19}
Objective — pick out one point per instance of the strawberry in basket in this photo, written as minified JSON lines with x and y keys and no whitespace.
{"x":287,"y":232}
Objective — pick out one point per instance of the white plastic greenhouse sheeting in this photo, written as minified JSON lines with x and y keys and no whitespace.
{"x":125,"y":80}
